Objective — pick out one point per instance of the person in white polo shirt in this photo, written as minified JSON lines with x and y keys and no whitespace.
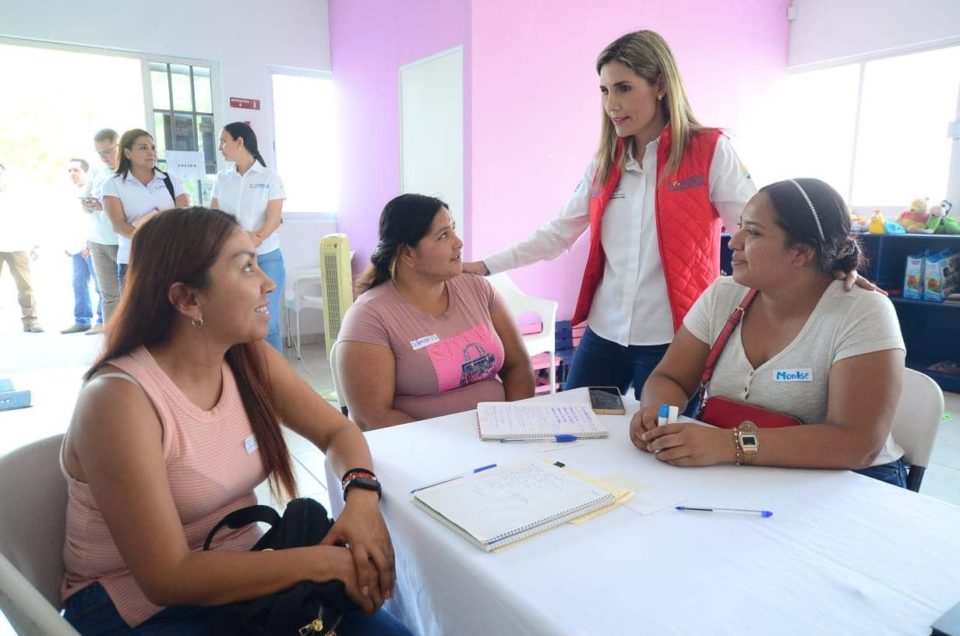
{"x":102,"y":240}
{"x":254,"y":194}
{"x":137,"y":191}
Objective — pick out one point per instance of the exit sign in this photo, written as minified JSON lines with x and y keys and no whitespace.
{"x":243,"y":102}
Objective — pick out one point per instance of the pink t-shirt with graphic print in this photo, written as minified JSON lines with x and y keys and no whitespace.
{"x":444,"y":365}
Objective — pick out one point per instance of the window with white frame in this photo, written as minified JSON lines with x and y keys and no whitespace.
{"x":875,"y":130}
{"x":305,"y":141}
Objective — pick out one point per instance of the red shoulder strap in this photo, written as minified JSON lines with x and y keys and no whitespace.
{"x":721,"y":340}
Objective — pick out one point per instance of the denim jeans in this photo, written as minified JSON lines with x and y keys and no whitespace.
{"x":600,"y":362}
{"x":893,"y":473}
{"x":91,"y":612}
{"x":272,"y":265}
{"x":121,"y":274}
{"x":82,"y":273}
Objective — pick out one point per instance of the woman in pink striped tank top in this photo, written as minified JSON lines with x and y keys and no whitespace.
{"x":178,"y":422}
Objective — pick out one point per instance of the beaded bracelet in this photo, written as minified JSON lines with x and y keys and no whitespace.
{"x":358,"y":472}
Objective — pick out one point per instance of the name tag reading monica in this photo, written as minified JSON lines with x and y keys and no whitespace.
{"x":793,"y":375}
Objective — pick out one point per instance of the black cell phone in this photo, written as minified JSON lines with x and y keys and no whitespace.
{"x":606,"y":400}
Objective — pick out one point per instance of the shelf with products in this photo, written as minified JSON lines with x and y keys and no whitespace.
{"x":931,"y":330}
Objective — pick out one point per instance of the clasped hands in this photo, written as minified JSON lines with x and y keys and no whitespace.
{"x":681,"y":444}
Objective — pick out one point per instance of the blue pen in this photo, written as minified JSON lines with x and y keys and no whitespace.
{"x":454,"y":478}
{"x":746,"y":511}
{"x":556,"y":438}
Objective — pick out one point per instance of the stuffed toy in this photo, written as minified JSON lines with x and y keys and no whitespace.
{"x":876,"y":222}
{"x":914,"y":220}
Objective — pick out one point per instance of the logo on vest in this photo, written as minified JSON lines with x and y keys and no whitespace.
{"x":678,"y":185}
{"x":793,"y":375}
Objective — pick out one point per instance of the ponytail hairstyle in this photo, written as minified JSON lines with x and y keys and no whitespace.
{"x":404,"y":221}
{"x":181,"y":245}
{"x":647,"y":54}
{"x":240,"y":130}
{"x":812,"y":213}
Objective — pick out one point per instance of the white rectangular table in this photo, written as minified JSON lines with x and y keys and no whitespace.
{"x":842,"y":554}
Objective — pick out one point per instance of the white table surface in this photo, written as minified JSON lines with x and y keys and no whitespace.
{"x":842,"y":554}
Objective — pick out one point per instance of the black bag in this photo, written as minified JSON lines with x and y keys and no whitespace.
{"x":306,"y":609}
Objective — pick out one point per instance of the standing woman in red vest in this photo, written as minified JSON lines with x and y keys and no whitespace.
{"x":654,"y":197}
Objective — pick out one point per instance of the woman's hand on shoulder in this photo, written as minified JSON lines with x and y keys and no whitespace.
{"x":690,"y":444}
{"x":361,"y":528}
{"x":851,"y":279}
{"x":475,"y":267}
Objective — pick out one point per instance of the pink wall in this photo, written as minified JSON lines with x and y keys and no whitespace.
{"x":536,"y":108}
{"x":531,"y":104}
{"x":369,"y":41}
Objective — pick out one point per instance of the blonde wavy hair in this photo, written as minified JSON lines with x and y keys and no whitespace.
{"x":647,"y":54}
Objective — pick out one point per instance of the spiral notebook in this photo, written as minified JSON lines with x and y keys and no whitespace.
{"x":509,"y":421}
{"x":503,"y":505}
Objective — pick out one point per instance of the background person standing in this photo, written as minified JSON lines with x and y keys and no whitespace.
{"x":16,"y":252}
{"x":80,"y":259}
{"x":254,"y":194}
{"x":102,"y":240}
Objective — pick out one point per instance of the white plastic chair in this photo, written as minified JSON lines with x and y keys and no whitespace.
{"x":520,"y":304}
{"x":33,"y":505}
{"x":916,"y":422}
{"x":304,"y":291}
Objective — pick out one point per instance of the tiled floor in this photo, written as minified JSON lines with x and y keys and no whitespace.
{"x":51,"y":365}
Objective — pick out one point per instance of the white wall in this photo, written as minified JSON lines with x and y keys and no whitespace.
{"x":832,"y":30}
{"x":246,"y":38}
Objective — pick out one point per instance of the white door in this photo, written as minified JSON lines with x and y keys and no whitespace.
{"x":431,"y":129}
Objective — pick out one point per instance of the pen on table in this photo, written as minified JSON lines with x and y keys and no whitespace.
{"x":745,"y":511}
{"x":556,"y":438}
{"x":479,"y":469}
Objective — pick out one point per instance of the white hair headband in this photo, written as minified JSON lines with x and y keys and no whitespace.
{"x":812,"y":209}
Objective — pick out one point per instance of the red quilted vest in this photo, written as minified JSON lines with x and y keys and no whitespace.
{"x":688,"y":225}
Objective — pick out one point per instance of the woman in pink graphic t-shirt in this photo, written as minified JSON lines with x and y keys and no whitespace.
{"x":423,"y":339}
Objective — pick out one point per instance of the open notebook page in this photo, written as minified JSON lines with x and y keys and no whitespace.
{"x":508,"y":503}
{"x":511,"y":420}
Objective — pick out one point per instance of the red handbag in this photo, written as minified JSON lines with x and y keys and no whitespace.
{"x":726,"y":413}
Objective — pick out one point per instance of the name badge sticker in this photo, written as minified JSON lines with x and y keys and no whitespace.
{"x":250,"y":444}
{"x":793,"y":375}
{"x":420,"y":343}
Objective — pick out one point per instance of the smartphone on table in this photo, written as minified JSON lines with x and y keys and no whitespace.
{"x":606,"y":400}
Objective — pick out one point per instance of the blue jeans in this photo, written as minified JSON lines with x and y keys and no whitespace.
{"x":893,"y":473}
{"x":600,"y":362}
{"x":91,"y":612}
{"x":271,"y":264}
{"x":82,"y":273}
{"x":121,"y":274}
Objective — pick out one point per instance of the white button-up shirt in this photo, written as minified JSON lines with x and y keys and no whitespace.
{"x":246,"y":197}
{"x":631,"y":306}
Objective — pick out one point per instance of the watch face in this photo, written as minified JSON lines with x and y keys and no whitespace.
{"x":748,"y":440}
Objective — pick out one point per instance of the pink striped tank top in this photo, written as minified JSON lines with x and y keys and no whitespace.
{"x":211,"y":473}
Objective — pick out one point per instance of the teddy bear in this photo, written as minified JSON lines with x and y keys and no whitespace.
{"x":914,"y":220}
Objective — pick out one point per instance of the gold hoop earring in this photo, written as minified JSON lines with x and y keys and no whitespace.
{"x":393,"y":268}
{"x":197,"y":322}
